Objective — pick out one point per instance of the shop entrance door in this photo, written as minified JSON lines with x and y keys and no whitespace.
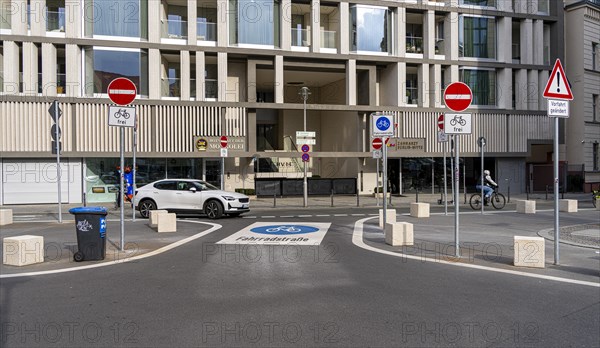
{"x":212,"y":171}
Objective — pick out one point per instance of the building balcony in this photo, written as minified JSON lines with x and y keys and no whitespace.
{"x":174,"y":29}
{"x":300,"y":37}
{"x":328,"y":39}
{"x":171,"y":87}
{"x":55,"y":21}
{"x":414,"y":44}
{"x":206,"y":31}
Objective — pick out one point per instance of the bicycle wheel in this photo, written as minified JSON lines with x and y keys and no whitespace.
{"x":498,"y":201}
{"x":475,"y":201}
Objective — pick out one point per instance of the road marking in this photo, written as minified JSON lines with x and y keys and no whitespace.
{"x":357,"y":239}
{"x":340,"y":214}
{"x":126,"y":259}
{"x":279,"y":233}
{"x":268,"y":217}
{"x":323,"y":215}
{"x":303,"y":216}
{"x":359,"y":214}
{"x":249,"y":217}
{"x":286,"y":216}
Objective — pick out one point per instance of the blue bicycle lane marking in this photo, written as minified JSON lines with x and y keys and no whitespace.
{"x":284,"y":229}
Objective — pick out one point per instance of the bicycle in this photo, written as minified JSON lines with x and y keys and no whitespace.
{"x":459,"y":120}
{"x":498,"y":200}
{"x":122,"y":112}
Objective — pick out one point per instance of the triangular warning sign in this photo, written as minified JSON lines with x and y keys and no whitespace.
{"x":558,"y":85}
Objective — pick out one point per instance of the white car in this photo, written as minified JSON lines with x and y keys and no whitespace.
{"x":189,"y":196}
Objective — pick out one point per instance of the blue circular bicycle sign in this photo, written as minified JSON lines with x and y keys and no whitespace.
{"x":284,"y":229}
{"x":382,"y":125}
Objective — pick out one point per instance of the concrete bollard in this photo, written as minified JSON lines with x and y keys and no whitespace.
{"x":399,"y":233}
{"x":525,"y":207}
{"x":154,"y":217}
{"x":529,"y":252}
{"x":390,"y":216}
{"x":568,"y":205}
{"x":167,"y":223}
{"x":419,"y":210}
{"x":23,"y":250}
{"x":6,"y":217}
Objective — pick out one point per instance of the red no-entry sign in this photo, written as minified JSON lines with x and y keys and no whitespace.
{"x":458,"y":96}
{"x":377,"y":143}
{"x":223,"y":141}
{"x":121,"y":91}
{"x":441,"y":122}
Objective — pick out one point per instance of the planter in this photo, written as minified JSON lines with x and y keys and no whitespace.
{"x":597,"y":203}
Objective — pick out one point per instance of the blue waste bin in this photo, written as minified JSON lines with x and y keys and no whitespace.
{"x":90,"y":225}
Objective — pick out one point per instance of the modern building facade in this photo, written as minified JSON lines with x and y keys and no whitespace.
{"x":582,"y":44}
{"x":204,"y":69}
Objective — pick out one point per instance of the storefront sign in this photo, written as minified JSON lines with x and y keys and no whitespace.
{"x":214,"y":143}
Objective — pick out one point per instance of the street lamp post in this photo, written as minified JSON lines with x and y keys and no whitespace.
{"x":304,"y":93}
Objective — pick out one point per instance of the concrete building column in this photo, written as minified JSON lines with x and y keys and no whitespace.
{"x":505,"y":88}
{"x":222,"y":20}
{"x":452,"y":75}
{"x":74,"y":68}
{"x":532,"y":7}
{"x":533,"y":90}
{"x":18,"y":18}
{"x":351,"y":82}
{"x":37,"y":18}
{"x":526,"y":41}
{"x":401,"y":77}
{"x":184,"y":78}
{"x":504,"y":42}
{"x":279,"y":80}
{"x":286,"y":25}
{"x":251,"y":78}
{"x":429,"y":34}
{"x":192,"y":14}
{"x":423,"y":81}
{"x":200,"y":76}
{"x":538,"y":39}
{"x":543,"y":76}
{"x":521,"y":89}
{"x":154,"y":78}
{"x":30,"y":68}
{"x":400,"y":23}
{"x":12,"y":58}
{"x":154,"y":23}
{"x":73,"y":20}
{"x":222,"y":76}
{"x":315,"y":26}
{"x":451,"y":36}
{"x":373,"y":86}
{"x":344,"y":33}
{"x":49,"y":71}
{"x":435,"y":86}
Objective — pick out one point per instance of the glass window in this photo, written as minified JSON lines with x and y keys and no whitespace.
{"x":596,"y":156}
{"x":594,"y":107}
{"x":254,"y":22}
{"x":206,"y":23}
{"x":166,"y":185}
{"x":370,"y":29}
{"x":116,"y":18}
{"x":482,"y":83}
{"x":543,"y":6}
{"x":487,"y":3}
{"x":55,"y":15}
{"x":594,"y":55}
{"x":477,"y":37}
{"x":104,"y":65}
{"x":5,"y":14}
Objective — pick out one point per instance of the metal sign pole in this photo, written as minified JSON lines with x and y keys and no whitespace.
{"x":481,"y":142}
{"x":445,"y":182}
{"x":58,"y":171}
{"x":377,"y":182}
{"x":222,"y":173}
{"x":122,"y":195}
{"x":384,"y":182}
{"x":556,"y":222}
{"x":134,"y":169}
{"x":456,"y":204}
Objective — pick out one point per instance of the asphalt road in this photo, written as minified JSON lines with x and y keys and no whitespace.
{"x":335,"y":294}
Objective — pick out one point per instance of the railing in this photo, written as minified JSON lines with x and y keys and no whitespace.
{"x":5,"y":16}
{"x":55,"y":20}
{"x":211,"y":88}
{"x":294,"y":148}
{"x":414,"y":44}
{"x":174,"y":29}
{"x":328,"y":39}
{"x":206,"y":31}
{"x":170,"y":87}
{"x":440,"y":48}
{"x":516,"y":51}
{"x":412,"y":95}
{"x":300,"y":37}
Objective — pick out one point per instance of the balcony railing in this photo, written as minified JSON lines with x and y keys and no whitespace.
{"x":174,"y":29}
{"x":412,"y":95}
{"x":211,"y":87}
{"x":414,"y":44}
{"x":300,"y":37}
{"x":170,"y":87}
{"x":55,"y":20}
{"x":5,"y":16}
{"x":328,"y":39}
{"x":206,"y":31}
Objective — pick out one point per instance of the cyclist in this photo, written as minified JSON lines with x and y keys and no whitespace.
{"x":488,"y":182}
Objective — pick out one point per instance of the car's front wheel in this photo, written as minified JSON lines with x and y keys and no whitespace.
{"x":213,"y":209}
{"x":145,"y":207}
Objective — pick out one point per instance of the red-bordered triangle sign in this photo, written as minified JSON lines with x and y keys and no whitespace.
{"x":558,"y":85}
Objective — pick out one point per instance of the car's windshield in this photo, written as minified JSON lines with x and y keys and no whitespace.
{"x":203,"y":185}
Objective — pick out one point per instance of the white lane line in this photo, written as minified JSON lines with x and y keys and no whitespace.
{"x":268,"y":217}
{"x":359,"y":214}
{"x":323,"y":215}
{"x":248,"y":217}
{"x":286,"y":216}
{"x":357,"y":239}
{"x":126,"y":259}
{"x":340,"y":214}
{"x":303,"y":216}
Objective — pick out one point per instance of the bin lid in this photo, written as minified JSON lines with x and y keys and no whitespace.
{"x":89,"y":210}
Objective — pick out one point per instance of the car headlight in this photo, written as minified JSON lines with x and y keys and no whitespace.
{"x":229,"y":198}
